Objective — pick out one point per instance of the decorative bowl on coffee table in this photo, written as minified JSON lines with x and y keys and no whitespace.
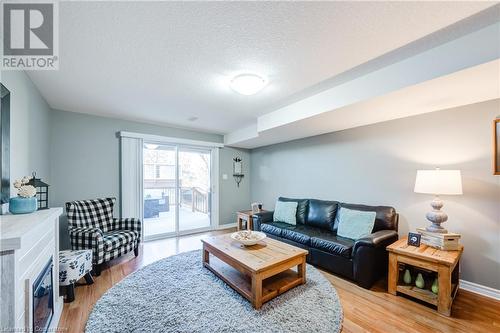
{"x":248,"y":237}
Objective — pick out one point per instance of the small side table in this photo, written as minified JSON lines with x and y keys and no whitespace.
{"x":245,"y":216}
{"x":444,"y":263}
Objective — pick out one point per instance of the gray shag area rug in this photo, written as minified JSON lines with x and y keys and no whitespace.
{"x":177,"y":294}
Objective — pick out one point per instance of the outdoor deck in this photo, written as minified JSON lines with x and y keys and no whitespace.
{"x":165,"y":223}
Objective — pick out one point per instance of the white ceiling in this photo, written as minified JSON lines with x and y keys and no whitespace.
{"x":472,"y":85}
{"x":165,"y":62}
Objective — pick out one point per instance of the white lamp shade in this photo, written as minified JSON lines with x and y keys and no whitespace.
{"x":438,"y":182}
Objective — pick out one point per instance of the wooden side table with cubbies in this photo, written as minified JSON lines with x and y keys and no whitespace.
{"x":245,"y":217}
{"x":442,"y":264}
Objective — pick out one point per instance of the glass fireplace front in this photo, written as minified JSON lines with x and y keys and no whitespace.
{"x":43,"y":299}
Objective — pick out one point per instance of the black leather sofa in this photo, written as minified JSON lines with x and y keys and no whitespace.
{"x":363,"y":260}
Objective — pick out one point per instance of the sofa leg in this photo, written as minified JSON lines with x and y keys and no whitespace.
{"x":136,"y":251}
{"x":70,"y":293}
{"x":88,"y":278}
{"x":97,"y":269}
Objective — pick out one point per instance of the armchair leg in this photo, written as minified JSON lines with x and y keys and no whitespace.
{"x":136,"y":251}
{"x":97,"y":269}
{"x":88,"y":278}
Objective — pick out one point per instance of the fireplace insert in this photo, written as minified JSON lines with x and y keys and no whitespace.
{"x":43,"y":299}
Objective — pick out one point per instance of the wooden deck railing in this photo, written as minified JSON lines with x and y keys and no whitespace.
{"x":193,"y":197}
{"x":199,"y":201}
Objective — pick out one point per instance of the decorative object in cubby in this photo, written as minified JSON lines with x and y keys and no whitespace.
{"x":407,"y":276}
{"x":434,"y":286}
{"x":42,"y":191}
{"x":238,"y":170}
{"x":419,"y":281}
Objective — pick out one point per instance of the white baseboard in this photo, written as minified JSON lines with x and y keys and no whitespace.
{"x":226,"y":226}
{"x":480,"y":289}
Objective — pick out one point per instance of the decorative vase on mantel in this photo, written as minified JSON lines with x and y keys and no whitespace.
{"x":25,"y":202}
{"x":20,"y":205}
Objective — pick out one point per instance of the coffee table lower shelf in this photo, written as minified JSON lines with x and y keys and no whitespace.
{"x":242,"y":282}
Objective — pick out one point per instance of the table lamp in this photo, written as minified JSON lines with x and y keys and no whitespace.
{"x":437,"y":182}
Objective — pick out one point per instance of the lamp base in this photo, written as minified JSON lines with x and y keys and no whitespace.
{"x":436,"y":217}
{"x":436,"y":228}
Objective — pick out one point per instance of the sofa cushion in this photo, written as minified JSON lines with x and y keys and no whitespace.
{"x":386,"y":219}
{"x":285,"y":212}
{"x":273,"y":228}
{"x":334,"y":245}
{"x":298,"y":234}
{"x":303,"y":233}
{"x":302,"y":208}
{"x":322,"y":214}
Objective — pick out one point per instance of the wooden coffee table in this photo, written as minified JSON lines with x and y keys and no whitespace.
{"x":259,"y":272}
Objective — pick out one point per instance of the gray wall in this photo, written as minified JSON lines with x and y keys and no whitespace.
{"x":85,"y":161}
{"x":232,"y":197}
{"x":377,"y":164}
{"x":29,"y":128}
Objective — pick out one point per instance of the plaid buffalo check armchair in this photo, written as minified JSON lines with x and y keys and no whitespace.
{"x":92,"y":226}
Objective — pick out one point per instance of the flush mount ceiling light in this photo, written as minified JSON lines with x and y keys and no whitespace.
{"x":247,"y":84}
{"x":151,"y":146}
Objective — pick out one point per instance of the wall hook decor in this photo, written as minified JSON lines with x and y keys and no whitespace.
{"x":238,"y":170}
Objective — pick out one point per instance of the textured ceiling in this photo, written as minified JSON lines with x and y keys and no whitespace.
{"x":166,"y":62}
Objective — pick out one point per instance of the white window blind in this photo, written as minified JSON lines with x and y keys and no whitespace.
{"x":131,"y":177}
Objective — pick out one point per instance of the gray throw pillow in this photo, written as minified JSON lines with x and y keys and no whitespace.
{"x":285,"y":212}
{"x":355,"y":224}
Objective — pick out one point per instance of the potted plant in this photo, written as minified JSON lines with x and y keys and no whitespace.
{"x":25,"y":202}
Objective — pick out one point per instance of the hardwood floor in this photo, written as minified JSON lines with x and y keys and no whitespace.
{"x":364,"y":310}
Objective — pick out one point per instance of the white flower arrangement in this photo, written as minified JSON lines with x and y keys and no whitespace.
{"x":23,"y":189}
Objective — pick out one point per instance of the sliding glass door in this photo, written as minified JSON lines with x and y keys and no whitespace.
{"x":194,"y":189}
{"x":177,"y":187}
{"x":159,"y":189}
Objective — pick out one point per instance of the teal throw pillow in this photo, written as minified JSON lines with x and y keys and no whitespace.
{"x":355,"y":224}
{"x":285,"y":212}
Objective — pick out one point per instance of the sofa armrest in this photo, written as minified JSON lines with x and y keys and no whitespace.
{"x":381,"y":238}
{"x":370,"y":257}
{"x":259,"y":218}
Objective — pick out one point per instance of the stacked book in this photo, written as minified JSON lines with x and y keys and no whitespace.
{"x":447,"y":242}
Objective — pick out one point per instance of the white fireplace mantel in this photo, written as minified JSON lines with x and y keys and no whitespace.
{"x":26,"y":244}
